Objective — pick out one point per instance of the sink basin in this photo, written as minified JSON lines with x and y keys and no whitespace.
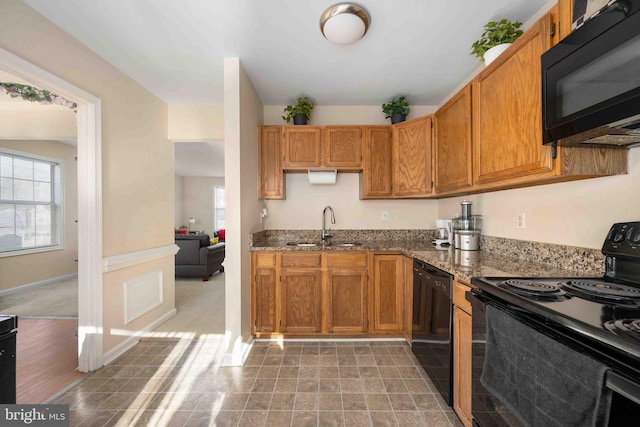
{"x":303,"y":244}
{"x":346,"y":244}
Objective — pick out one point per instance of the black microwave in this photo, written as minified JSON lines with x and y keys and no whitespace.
{"x":591,"y":81}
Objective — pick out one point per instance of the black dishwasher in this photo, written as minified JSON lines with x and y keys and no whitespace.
{"x":431,"y":341}
{"x":8,"y":331}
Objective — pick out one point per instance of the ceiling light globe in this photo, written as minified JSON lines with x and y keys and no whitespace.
{"x":344,"y":23}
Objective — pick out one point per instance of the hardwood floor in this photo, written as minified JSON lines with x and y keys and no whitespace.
{"x":47,"y":358}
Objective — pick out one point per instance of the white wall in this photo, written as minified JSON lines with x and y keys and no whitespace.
{"x":198,"y":202}
{"x":196,"y":122}
{"x":243,"y":113}
{"x":577,"y":213}
{"x":53,"y":122}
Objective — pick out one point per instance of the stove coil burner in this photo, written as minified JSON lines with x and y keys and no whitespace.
{"x":603,"y":290}
{"x":529,"y":288}
{"x":626,"y":327}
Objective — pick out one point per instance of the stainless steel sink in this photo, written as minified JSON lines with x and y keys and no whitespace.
{"x":346,"y":244}
{"x":304,"y":244}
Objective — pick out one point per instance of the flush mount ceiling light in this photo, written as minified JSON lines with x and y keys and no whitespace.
{"x":344,"y":23}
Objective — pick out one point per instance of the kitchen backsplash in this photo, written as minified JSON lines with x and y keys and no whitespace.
{"x":583,"y":260}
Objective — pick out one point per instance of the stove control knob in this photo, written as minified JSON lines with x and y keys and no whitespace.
{"x":635,"y":239}
{"x":618,"y":237}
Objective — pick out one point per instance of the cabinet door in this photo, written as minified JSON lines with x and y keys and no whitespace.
{"x":300,"y":300}
{"x":265,"y":300}
{"x":270,"y":173}
{"x":302,"y":147}
{"x":346,"y":300}
{"x":376,"y":178}
{"x":263,"y":292}
{"x":452,"y":144}
{"x":507,"y":113}
{"x":412,"y":158}
{"x":342,"y":147}
{"x":462,"y":365}
{"x":388,"y":295}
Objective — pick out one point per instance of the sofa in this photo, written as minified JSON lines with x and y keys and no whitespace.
{"x":197,"y":257}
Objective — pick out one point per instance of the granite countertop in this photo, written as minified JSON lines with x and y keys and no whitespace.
{"x":462,"y":264}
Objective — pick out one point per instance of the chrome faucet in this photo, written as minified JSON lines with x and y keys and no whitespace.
{"x":326,"y":235}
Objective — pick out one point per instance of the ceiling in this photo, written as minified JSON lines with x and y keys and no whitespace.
{"x":176,"y":49}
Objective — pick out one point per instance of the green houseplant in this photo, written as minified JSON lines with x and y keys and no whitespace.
{"x":300,"y":113}
{"x":397,"y":110}
{"x":496,"y":33}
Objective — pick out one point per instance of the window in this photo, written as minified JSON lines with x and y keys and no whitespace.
{"x":218,"y":214}
{"x":30,"y":203}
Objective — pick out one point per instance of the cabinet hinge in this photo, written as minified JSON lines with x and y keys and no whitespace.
{"x":255,"y":323}
{"x":552,"y":29}
{"x":431,"y":123}
{"x":432,"y":185}
{"x":554,"y":150}
{"x":281,"y":323}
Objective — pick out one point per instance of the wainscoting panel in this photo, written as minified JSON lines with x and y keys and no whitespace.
{"x":142,"y":294}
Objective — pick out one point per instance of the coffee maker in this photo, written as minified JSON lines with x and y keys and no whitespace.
{"x":466,"y":228}
{"x":445,"y":234}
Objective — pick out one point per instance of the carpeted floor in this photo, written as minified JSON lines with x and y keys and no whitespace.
{"x":200,"y":307}
{"x":58,"y":300}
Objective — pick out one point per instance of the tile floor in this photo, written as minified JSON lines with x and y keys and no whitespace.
{"x":175,"y":382}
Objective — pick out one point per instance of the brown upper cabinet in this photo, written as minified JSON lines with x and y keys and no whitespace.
{"x":452,"y":144}
{"x":507,"y":113}
{"x":270,"y":175}
{"x":376,"y":176}
{"x":337,"y":147}
{"x":507,"y":124}
{"x":342,"y":147}
{"x":302,"y":147}
{"x":412,"y":158}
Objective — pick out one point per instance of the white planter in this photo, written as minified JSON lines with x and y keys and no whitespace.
{"x":494,"y":52}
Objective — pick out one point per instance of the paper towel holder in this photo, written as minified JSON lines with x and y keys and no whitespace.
{"x":322,"y":176}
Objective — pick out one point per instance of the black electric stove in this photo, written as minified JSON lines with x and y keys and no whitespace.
{"x":597,"y":316}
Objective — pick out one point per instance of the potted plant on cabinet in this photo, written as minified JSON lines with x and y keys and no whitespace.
{"x":397,"y":110}
{"x":497,"y":36}
{"x":300,"y":113}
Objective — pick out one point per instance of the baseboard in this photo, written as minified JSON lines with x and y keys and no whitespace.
{"x":38,"y":284}
{"x":229,"y":360}
{"x":126,"y":345}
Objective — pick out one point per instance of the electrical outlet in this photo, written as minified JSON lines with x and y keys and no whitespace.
{"x":384,"y":216}
{"x":520,"y":224}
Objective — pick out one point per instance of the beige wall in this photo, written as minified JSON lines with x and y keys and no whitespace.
{"x":304,"y":204}
{"x":19,"y":270}
{"x":138,"y":159}
{"x":198,"y":202}
{"x":178,"y":186}
{"x":189,"y":122}
{"x":577,"y":213}
{"x":243,"y":112}
{"x":344,"y":114}
{"x":17,"y":122}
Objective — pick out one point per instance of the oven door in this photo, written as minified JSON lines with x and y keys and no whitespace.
{"x":489,"y":411}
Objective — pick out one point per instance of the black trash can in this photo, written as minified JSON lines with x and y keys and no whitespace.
{"x":8,"y":331}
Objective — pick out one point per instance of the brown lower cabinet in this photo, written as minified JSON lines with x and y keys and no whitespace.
{"x":319,"y":293}
{"x":462,"y":353}
{"x":388,"y":293}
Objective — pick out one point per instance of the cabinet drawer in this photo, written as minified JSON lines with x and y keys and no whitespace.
{"x":343,"y":259}
{"x":459,"y":290}
{"x":265,"y":259}
{"x":298,"y":260}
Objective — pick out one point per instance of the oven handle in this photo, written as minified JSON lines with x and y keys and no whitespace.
{"x":623,"y":386}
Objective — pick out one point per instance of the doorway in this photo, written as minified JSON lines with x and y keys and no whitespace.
{"x":89,"y":203}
